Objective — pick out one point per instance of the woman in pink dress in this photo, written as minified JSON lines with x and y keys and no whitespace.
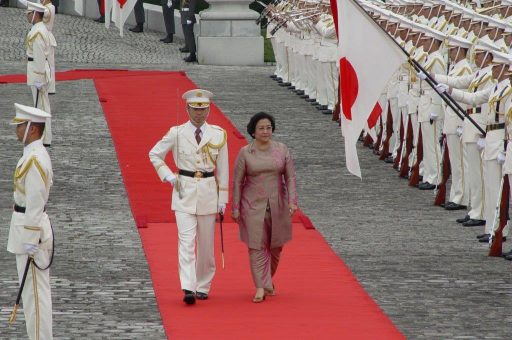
{"x":264,"y":199}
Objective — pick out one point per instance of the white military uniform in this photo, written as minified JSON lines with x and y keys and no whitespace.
{"x":195,"y":199}
{"x":38,"y":67}
{"x":480,"y":80}
{"x":430,"y":102}
{"x":49,"y":21}
{"x":496,"y":98}
{"x":459,"y":191}
{"x":32,"y":182}
{"x":327,"y":77}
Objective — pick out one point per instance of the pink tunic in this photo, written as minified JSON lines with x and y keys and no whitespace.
{"x":261,"y":178}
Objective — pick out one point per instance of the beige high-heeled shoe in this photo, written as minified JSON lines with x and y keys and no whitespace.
{"x":270,"y":291}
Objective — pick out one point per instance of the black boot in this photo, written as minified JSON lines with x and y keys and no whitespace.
{"x":191,"y":58}
{"x":137,"y":29}
{"x":101,"y":19}
{"x":167,"y":39}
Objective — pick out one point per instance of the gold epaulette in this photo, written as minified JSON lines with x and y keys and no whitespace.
{"x":30,"y":40}
{"x":433,"y":62}
{"x":497,"y":98}
{"x":475,"y":83}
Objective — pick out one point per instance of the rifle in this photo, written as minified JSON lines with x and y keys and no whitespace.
{"x":500,"y":218}
{"x":389,"y":132}
{"x":445,"y":167}
{"x":376,"y":145}
{"x":404,"y":162}
{"x":415,"y":170}
{"x":398,"y":158}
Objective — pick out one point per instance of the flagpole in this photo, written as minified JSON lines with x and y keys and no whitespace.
{"x":457,"y":109}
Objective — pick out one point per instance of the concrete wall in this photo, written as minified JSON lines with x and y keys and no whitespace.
{"x":89,"y":9}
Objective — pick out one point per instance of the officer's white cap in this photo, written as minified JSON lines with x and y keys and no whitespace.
{"x":29,"y":114}
{"x":198,"y":98}
{"x":499,"y":57}
{"x":33,"y":6}
{"x":486,"y":44}
{"x":456,"y":41}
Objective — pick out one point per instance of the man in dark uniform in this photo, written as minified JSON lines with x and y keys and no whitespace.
{"x":140,"y":17}
{"x":188,"y":19}
{"x":168,"y":12}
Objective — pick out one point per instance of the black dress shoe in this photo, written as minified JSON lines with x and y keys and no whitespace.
{"x":184,"y":50}
{"x":473,"y":223}
{"x":273,"y":76}
{"x":389,"y":159}
{"x":485,"y":239}
{"x":137,"y":29}
{"x":311,"y":100}
{"x":101,"y":20}
{"x":508,"y":253}
{"x":480,"y":236}
{"x":279,"y":80}
{"x":426,"y":186}
{"x":462,"y":220}
{"x":327,"y":112}
{"x":304,"y":96}
{"x":291,"y":87}
{"x":47,"y":145}
{"x":167,"y":39}
{"x":201,"y":296}
{"x":190,"y":59}
{"x":454,"y":206}
{"x":508,"y":257}
{"x":189,"y":297}
{"x":299,"y":92}
{"x":285,"y":84}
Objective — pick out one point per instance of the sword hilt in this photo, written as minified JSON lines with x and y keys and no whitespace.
{"x":12,"y":317}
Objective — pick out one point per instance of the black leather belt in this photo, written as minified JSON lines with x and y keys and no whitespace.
{"x":30,"y":59}
{"x":492,"y":127}
{"x":196,"y":174}
{"x":22,"y":210}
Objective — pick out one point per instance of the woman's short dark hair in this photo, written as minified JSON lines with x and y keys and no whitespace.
{"x":251,"y":126}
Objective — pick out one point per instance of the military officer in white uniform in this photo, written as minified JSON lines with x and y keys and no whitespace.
{"x":30,"y":231}
{"x":49,"y":21}
{"x":200,"y":190}
{"x":38,"y":67}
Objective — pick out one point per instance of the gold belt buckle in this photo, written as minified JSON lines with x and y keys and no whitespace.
{"x":198,"y":174}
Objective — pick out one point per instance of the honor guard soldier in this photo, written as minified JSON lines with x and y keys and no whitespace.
{"x":49,"y":21}
{"x":188,"y":19}
{"x":30,"y":233}
{"x":38,"y":67}
{"x":200,"y":190}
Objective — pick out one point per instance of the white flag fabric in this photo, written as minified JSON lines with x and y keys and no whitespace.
{"x":368,"y":58}
{"x":121,"y":9}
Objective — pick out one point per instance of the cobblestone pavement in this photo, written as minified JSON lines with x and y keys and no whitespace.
{"x":427,"y":273}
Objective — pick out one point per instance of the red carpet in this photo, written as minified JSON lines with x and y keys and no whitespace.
{"x":318,"y":297}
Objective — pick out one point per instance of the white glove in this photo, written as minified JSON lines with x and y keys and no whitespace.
{"x":442,"y":88}
{"x":480,"y":144}
{"x":221,"y":208}
{"x":170,"y":179}
{"x":169,"y":3}
{"x":30,"y":248}
{"x":189,"y":22}
{"x":23,"y":2}
{"x":421,"y":75}
{"x":434,"y":116}
{"x":38,"y":84}
{"x":459,"y":131}
{"x":501,"y":157}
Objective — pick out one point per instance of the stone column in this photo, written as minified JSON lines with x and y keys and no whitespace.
{"x":228,"y":34}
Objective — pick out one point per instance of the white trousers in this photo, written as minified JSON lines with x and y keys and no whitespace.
{"x":492,"y":180}
{"x":394,"y":142}
{"x":196,"y":251}
{"x":43,"y":103}
{"x":36,"y":296}
{"x":475,"y":180}
{"x":277,"y":57}
{"x":413,"y":117}
{"x":310,"y":70}
{"x":430,"y":134}
{"x":51,"y":61}
{"x":458,"y":194}
{"x":282,"y":51}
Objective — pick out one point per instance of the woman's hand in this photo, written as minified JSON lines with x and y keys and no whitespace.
{"x":235,"y":215}
{"x":292,"y":207}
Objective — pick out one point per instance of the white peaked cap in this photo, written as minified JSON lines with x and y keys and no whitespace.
{"x":198,"y":98}
{"x":33,"y":6}
{"x":29,"y":114}
{"x":456,"y":41}
{"x":501,"y":58}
